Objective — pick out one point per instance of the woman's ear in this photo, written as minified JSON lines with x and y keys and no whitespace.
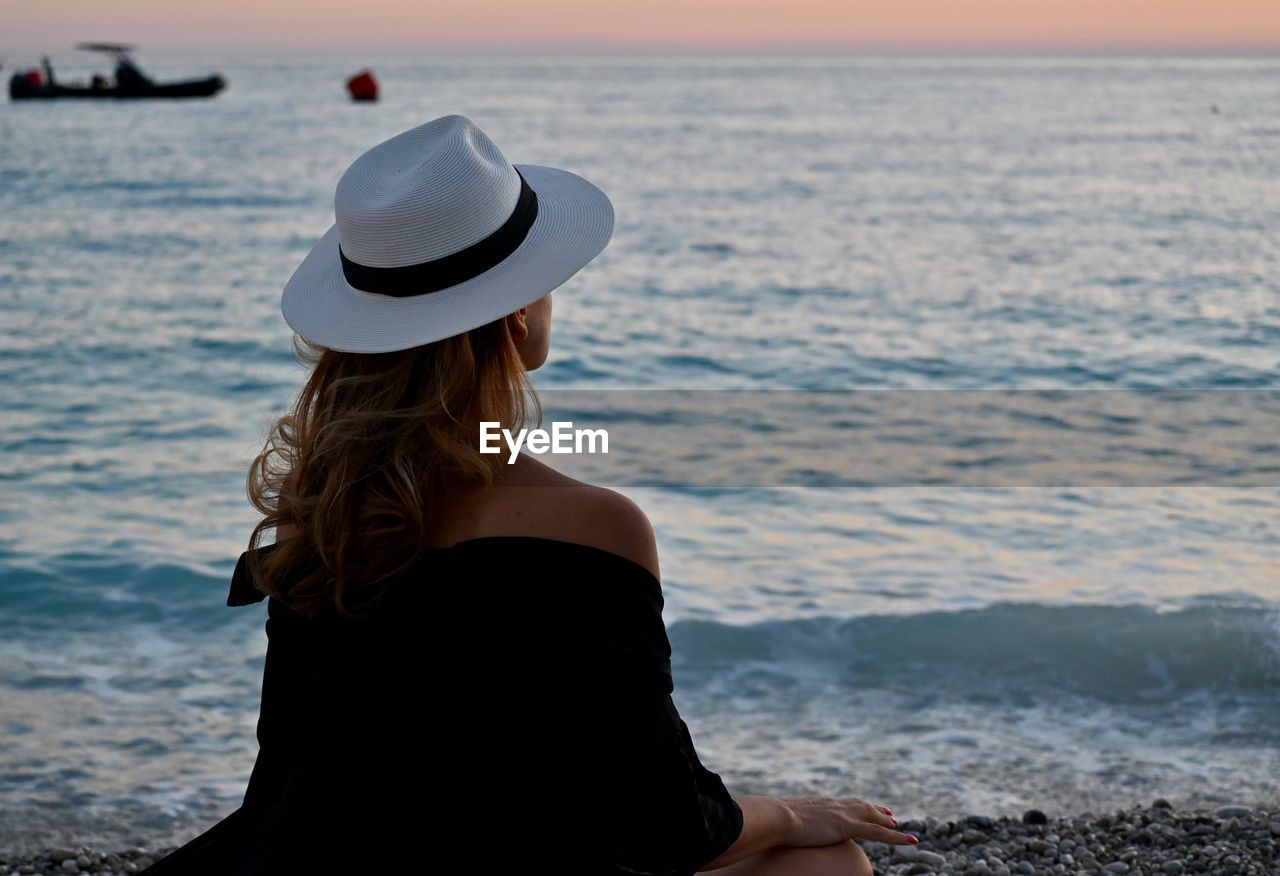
{"x":518,"y":324}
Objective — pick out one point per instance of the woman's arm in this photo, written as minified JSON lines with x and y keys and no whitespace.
{"x":766,"y":822}
{"x":807,"y":821}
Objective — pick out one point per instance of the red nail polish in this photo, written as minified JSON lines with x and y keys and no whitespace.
{"x":914,"y":841}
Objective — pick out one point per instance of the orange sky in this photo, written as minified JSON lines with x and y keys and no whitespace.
{"x":321,"y":24}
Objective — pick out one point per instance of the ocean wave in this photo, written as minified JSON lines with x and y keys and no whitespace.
{"x":92,"y":593}
{"x":1112,"y":653}
{"x":1225,"y":644}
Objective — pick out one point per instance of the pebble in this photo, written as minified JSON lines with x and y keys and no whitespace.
{"x":1034,"y":816}
{"x":1142,"y":841}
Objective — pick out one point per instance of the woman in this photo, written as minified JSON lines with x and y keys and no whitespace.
{"x":466,"y":658}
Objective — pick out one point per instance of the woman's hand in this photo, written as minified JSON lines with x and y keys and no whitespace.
{"x":822,"y":821}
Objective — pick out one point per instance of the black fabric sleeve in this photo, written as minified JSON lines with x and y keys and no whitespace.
{"x":721,"y":813}
{"x":670,"y":814}
{"x":666,"y":814}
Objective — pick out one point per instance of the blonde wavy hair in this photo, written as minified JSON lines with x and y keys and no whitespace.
{"x":369,"y":455}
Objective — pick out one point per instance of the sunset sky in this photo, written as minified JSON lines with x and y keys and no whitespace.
{"x":54,"y":25}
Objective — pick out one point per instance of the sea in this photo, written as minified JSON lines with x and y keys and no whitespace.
{"x":843,"y":222}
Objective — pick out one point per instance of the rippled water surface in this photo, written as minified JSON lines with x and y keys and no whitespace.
{"x":782,"y":223}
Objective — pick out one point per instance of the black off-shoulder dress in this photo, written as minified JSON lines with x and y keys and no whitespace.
{"x":510,"y":704}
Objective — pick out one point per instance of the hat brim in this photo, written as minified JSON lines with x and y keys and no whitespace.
{"x":574,"y":223}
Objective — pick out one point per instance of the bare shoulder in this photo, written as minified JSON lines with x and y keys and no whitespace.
{"x":616,"y":523}
{"x":543,"y":502}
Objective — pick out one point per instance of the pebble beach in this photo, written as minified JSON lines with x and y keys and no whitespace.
{"x":1155,"y":840}
{"x":1146,"y":840}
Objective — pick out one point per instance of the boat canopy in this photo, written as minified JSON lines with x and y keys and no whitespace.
{"x":117,"y":49}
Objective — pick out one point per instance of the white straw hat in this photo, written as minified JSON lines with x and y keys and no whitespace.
{"x":437,"y":233}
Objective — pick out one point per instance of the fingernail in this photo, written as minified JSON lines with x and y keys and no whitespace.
{"x":895,"y":821}
{"x":888,"y":810}
{"x":914,"y":840}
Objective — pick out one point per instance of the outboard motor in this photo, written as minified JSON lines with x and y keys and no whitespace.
{"x":26,"y":83}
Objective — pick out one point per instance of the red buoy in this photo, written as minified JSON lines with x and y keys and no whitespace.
{"x":363,"y":86}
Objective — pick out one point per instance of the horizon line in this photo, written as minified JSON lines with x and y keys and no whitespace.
{"x":604,"y":44}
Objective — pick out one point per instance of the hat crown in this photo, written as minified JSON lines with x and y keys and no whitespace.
{"x":424,"y":194}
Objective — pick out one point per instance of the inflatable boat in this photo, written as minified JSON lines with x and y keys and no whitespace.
{"x":130,"y":82}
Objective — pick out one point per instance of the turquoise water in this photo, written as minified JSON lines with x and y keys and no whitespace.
{"x":782,"y":223}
